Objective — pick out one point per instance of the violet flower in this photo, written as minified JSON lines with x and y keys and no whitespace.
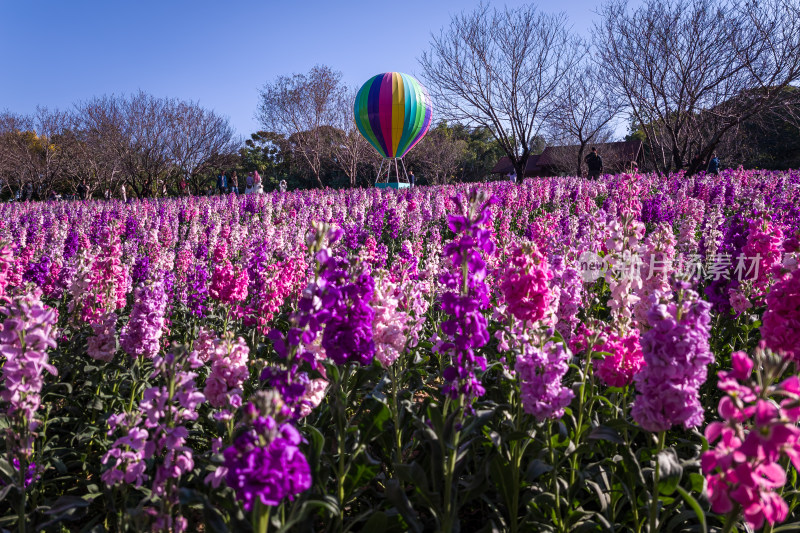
{"x":265,"y":462}
{"x":676,"y":355}
{"x":141,"y":336}
{"x":467,"y":329}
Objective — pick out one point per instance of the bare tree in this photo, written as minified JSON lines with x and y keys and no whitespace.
{"x":502,"y":70}
{"x":300,"y":107}
{"x":148,"y":135}
{"x":582,"y":115}
{"x":437,"y":156}
{"x":34,"y":154}
{"x":690,"y":71}
{"x":100,"y":144}
{"x":201,"y":140}
{"x":12,"y":127}
{"x":349,"y":149}
{"x":145,"y":142}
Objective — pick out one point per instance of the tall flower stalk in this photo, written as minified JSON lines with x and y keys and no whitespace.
{"x":756,"y":438}
{"x":264,"y":465}
{"x":466,"y":329}
{"x":28,"y":331}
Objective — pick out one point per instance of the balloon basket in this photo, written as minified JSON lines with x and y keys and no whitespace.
{"x":395,"y":185}
{"x":384,"y":179}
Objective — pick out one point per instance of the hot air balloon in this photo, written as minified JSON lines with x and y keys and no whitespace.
{"x":393,"y":113}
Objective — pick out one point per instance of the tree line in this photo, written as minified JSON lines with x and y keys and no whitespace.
{"x":147,"y":145}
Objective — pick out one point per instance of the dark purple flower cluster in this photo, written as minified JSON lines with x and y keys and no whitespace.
{"x":337,"y":304}
{"x":345,"y":312}
{"x":197,"y":289}
{"x":131,"y":227}
{"x":466,"y":329}
{"x":140,"y":269}
{"x":257,"y":271}
{"x":391,"y":227}
{"x":291,"y":384}
{"x":676,"y":355}
{"x":38,"y":271}
{"x":201,"y":252}
{"x":71,"y":244}
{"x":264,"y":463}
{"x":31,"y":473}
{"x":655,"y":210}
{"x":731,"y":247}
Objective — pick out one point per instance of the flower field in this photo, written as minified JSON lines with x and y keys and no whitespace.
{"x":562,"y":355}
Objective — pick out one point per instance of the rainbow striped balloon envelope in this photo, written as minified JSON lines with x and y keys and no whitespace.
{"x":393,"y":112}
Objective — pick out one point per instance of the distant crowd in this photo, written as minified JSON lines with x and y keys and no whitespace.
{"x":253,"y":185}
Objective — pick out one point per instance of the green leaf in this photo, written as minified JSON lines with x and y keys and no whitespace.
{"x":399,"y":499}
{"x":607,"y":434}
{"x":435,"y":416}
{"x":67,"y":503}
{"x":64,"y":509}
{"x":415,"y":475}
{"x":213,"y":519}
{"x":502,"y":476}
{"x":670,"y":471}
{"x":378,"y":522}
{"x":536,"y":468}
{"x":701,"y":516}
{"x":632,"y":465}
{"x":4,"y":491}
{"x":374,"y":419}
{"x":697,"y":481}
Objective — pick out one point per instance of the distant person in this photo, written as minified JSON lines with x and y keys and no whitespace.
{"x":512,"y":176}
{"x":234,"y":183}
{"x":411,"y":179}
{"x":222,"y":183}
{"x":282,"y":185}
{"x":82,"y":190}
{"x":713,"y":165}
{"x":124,"y":194}
{"x":594,"y":163}
{"x":250,"y":182}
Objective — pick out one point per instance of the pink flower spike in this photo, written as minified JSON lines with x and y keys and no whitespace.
{"x":770,"y":475}
{"x":713,"y":431}
{"x":742,"y":365}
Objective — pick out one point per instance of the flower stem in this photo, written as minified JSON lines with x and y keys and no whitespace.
{"x":398,"y":453}
{"x":23,"y":467}
{"x":450,"y":507}
{"x":341,"y":397}
{"x":654,"y":497}
{"x":261,"y":514}
{"x":730,"y":520}
{"x":517,"y":451}
{"x":554,"y":475}
{"x":581,"y":401}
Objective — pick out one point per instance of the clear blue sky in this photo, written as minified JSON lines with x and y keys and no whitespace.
{"x":55,"y":53}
